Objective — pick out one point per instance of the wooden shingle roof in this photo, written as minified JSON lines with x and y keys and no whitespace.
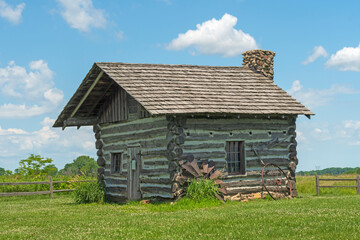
{"x":179,"y":89}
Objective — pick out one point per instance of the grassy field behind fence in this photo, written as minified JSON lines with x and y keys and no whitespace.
{"x":306,"y":184}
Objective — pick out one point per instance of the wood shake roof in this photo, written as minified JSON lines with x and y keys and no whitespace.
{"x":181,"y":89}
{"x":172,"y":89}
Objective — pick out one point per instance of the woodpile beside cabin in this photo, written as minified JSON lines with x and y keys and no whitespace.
{"x":148,"y":117}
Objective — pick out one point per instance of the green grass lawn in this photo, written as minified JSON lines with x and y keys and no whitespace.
{"x":307,"y":217}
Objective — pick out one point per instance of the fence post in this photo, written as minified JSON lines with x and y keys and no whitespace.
{"x":51,"y":187}
{"x":357,"y":185}
{"x":317,"y":185}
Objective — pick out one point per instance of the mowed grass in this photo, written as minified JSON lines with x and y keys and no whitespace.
{"x":307,"y":217}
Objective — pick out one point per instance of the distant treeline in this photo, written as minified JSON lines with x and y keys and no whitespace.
{"x":330,"y":171}
{"x":36,"y":166}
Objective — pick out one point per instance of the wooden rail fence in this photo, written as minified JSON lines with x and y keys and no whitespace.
{"x":357,"y":186}
{"x":50,"y":192}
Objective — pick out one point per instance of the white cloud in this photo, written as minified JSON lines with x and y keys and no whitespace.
{"x":313,"y":98}
{"x":119,"y":35}
{"x":300,"y":136}
{"x":319,"y":51}
{"x":352,"y":131}
{"x":215,"y":37}
{"x":322,"y":134}
{"x":11,"y":14}
{"x":351,"y":124}
{"x":66,"y":145}
{"x":34,"y":91}
{"x":346,"y":59}
{"x":82,"y":15}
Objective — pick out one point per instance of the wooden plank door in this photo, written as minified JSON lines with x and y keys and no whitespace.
{"x":134,"y":173}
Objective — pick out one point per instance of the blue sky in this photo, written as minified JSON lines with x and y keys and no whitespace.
{"x":47,"y":47}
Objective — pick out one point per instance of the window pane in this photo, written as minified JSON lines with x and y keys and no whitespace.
{"x":235,"y":157}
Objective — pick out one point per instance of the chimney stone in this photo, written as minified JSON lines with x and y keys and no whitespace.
{"x":261,"y":61}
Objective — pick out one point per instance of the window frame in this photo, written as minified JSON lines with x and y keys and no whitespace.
{"x":241,"y":157}
{"x":112,"y":165}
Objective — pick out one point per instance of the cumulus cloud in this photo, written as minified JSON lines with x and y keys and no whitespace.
{"x":65,"y":146}
{"x":318,"y":51}
{"x":82,"y":15}
{"x":313,"y":98}
{"x":12,"y":14}
{"x":29,"y":93}
{"x":352,"y":131}
{"x":346,"y":59}
{"x":215,"y":37}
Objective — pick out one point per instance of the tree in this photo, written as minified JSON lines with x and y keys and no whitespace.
{"x":82,"y":165}
{"x":2,"y":171}
{"x":37,"y":165}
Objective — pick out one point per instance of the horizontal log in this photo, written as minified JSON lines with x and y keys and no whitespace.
{"x":115,"y":189}
{"x":204,"y":145}
{"x":269,"y":152}
{"x":253,"y":189}
{"x":140,"y":135}
{"x":156,"y":181}
{"x":116,"y":199}
{"x":74,"y":121}
{"x":156,"y":163}
{"x":207,"y":155}
{"x":149,"y":123}
{"x":284,"y":162}
{"x":245,"y":126}
{"x":152,"y":172}
{"x":217,"y":135}
{"x":156,"y":189}
{"x":114,"y":181}
{"x":242,"y":183}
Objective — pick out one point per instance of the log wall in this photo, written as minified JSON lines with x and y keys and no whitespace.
{"x":164,"y":141}
{"x":205,"y":138}
{"x":149,"y":134}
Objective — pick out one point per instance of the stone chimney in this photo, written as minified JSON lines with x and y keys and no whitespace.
{"x":261,"y":61}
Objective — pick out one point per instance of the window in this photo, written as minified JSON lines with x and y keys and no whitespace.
{"x":235,"y":157}
{"x":115,"y":162}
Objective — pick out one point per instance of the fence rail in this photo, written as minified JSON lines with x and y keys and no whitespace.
{"x":357,"y":186}
{"x":50,"y":192}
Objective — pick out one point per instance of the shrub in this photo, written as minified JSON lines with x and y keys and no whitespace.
{"x":90,"y":192}
{"x":200,"y":190}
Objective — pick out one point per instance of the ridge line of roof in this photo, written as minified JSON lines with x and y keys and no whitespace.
{"x":173,"y":65}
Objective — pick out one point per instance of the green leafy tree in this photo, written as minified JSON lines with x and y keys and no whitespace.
{"x":35,"y":165}
{"x":2,"y":171}
{"x":358,"y":170}
{"x":82,"y":165}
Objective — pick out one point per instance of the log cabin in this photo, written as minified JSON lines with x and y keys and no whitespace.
{"x":148,"y":117}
